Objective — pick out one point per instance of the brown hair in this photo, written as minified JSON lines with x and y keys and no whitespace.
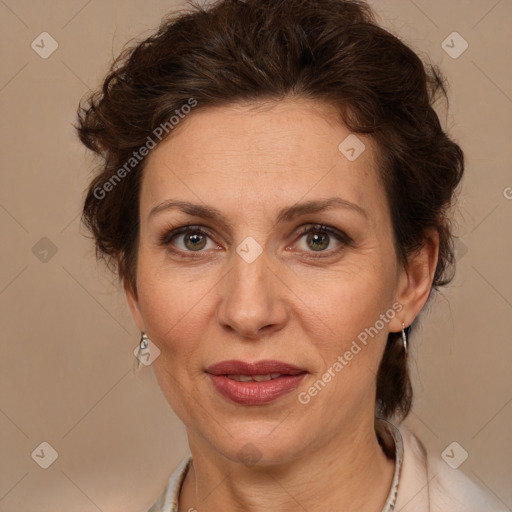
{"x":256,"y":50}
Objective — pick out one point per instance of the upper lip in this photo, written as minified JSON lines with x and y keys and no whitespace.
{"x":236,"y":367}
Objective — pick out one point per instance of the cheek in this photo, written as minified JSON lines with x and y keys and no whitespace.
{"x":343,"y":304}
{"x":353,"y":341}
{"x":172,"y":302}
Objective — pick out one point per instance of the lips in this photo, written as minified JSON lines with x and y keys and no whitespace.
{"x":254,"y":383}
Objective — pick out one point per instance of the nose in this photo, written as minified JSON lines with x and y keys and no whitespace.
{"x":253,"y":299}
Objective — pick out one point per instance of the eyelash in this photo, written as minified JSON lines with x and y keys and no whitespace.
{"x":167,"y":237}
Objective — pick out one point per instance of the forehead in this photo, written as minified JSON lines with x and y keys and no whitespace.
{"x":259,"y":153}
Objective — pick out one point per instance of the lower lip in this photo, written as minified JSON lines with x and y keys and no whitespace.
{"x":255,"y":393}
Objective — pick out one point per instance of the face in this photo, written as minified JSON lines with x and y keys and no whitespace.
{"x":287,"y":255}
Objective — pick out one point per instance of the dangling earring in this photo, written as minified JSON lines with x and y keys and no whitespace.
{"x":143,"y":344}
{"x":404,"y":338}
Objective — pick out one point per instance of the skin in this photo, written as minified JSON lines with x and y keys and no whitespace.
{"x":248,"y":161}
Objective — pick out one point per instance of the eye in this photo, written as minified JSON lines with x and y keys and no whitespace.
{"x":319,"y":238}
{"x":187,"y":239}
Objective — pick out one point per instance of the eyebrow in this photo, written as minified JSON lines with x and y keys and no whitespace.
{"x":285,"y":215}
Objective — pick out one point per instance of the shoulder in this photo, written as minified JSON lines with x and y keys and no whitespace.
{"x":168,"y":499}
{"x":428,"y":483}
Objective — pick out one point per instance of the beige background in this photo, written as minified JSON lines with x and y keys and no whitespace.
{"x":67,"y":337}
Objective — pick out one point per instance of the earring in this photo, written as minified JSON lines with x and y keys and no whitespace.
{"x":404,"y":338}
{"x":143,"y":344}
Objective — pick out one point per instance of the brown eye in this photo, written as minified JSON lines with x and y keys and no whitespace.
{"x":318,"y":241}
{"x":187,"y":239}
{"x":194,"y":241}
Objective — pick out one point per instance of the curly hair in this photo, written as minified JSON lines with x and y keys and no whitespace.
{"x":257,"y":50}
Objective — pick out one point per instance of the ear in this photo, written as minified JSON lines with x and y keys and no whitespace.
{"x":133,"y":304}
{"x":415,"y":281}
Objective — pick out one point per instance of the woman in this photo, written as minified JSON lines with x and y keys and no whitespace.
{"x":274,"y":198}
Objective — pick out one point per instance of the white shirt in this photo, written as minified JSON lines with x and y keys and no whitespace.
{"x":422,"y":482}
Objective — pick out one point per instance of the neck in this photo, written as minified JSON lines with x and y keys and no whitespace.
{"x":349,"y":473}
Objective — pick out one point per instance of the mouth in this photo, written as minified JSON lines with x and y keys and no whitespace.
{"x":255,"y":383}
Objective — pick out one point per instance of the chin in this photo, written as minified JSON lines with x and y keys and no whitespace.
{"x":258,"y":444}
